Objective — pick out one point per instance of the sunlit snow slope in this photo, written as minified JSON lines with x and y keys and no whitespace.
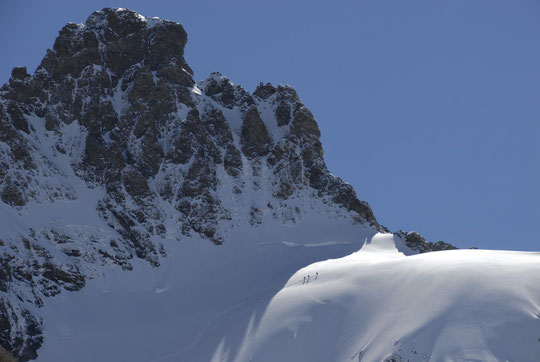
{"x":374,"y":305}
{"x":199,"y":295}
{"x":378,"y":304}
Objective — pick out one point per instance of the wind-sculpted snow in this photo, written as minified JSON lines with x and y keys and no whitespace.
{"x":200,"y":295}
{"x":378,"y":304}
{"x":111,"y":154}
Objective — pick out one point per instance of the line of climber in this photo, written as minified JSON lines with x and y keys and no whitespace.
{"x":306,"y":280}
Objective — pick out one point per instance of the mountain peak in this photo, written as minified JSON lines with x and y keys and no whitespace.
{"x":113,"y":152}
{"x":119,"y":39}
{"x":122,"y":20}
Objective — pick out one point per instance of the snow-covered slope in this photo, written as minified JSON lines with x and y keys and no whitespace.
{"x":375,"y":304}
{"x":378,"y":304}
{"x":199,"y":295}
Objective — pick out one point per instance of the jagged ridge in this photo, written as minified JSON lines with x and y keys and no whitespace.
{"x":114,"y":107}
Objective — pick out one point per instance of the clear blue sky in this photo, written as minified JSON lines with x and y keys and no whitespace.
{"x":430,"y":109}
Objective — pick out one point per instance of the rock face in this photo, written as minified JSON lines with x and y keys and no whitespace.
{"x":418,"y":243}
{"x":113,"y":123}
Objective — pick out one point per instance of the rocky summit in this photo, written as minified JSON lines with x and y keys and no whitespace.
{"x":111,"y":151}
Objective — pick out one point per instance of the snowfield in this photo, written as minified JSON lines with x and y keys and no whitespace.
{"x":237,"y":303}
{"x":459,"y":305}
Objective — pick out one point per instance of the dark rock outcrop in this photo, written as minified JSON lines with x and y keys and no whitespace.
{"x":255,"y":139}
{"x":20,"y":333}
{"x":418,"y":243}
